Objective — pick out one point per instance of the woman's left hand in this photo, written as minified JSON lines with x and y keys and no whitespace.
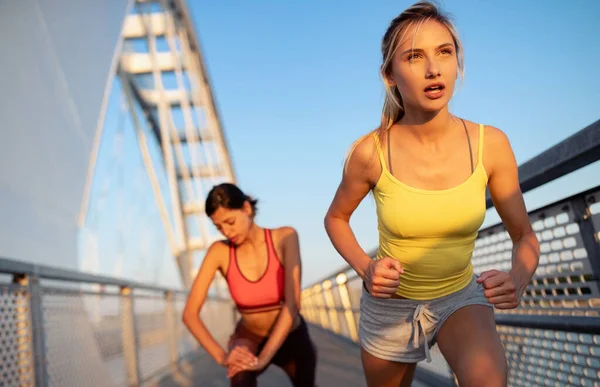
{"x":502,"y":289}
{"x":258,"y":365}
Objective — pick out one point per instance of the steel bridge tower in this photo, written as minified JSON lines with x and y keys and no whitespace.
{"x":162,"y":71}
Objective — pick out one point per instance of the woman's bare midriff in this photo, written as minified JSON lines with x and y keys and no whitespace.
{"x":261,"y":323}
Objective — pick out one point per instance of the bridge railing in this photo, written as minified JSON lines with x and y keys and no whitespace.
{"x":65,"y":328}
{"x":553,"y":337}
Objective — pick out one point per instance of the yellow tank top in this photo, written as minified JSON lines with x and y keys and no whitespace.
{"x":431,"y":232}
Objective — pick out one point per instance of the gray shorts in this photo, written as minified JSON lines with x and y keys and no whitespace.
{"x":403,"y":330}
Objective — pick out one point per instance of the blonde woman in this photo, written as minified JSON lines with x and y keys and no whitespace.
{"x":428,"y":171}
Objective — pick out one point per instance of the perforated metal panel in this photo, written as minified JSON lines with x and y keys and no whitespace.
{"x":564,"y":282}
{"x":551,"y":358}
{"x":106,"y":323}
{"x":151,"y":330}
{"x":75,"y":332}
{"x":16,"y":361}
{"x":73,"y":356}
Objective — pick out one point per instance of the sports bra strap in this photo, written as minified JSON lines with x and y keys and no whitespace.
{"x":231,"y":255}
{"x":270,"y":247}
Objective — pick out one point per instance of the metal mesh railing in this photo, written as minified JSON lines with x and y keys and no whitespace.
{"x":72,"y":356}
{"x":565,"y":282}
{"x":153,"y":344}
{"x":61,"y":328}
{"x":16,"y":353}
{"x":551,"y":358}
{"x":553,"y":338}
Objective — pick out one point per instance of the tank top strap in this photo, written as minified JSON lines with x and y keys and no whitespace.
{"x":480,"y":151}
{"x":379,"y":150}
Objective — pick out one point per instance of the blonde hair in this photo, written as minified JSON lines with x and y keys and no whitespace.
{"x":415,"y":15}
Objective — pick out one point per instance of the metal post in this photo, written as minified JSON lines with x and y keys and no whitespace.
{"x":322,"y":310}
{"x":306,"y":305}
{"x":36,"y":311}
{"x":130,"y":342}
{"x":581,"y":210}
{"x":172,"y":332}
{"x":312,"y":313}
{"x":330,"y":306}
{"x":348,"y":312}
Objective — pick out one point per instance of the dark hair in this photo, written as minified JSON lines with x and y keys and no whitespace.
{"x":228,"y":196}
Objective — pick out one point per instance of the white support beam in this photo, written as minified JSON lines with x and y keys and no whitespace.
{"x":193,"y":208}
{"x":195,"y":244}
{"x":190,"y":128}
{"x":203,"y":96}
{"x":207,"y":171}
{"x":141,"y":62}
{"x":204,"y":136}
{"x":172,"y":97}
{"x":135,"y":26}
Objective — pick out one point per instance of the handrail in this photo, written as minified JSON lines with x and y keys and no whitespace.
{"x":129,"y":329}
{"x":569,"y":155}
{"x":9,"y":266}
{"x":577,"y":324}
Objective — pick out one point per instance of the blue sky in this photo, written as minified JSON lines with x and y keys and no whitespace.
{"x":297,"y":82}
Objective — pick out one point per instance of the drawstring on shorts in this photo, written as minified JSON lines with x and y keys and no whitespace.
{"x":417,"y":325}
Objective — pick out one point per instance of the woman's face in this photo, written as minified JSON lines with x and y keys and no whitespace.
{"x":234,"y":224}
{"x":425,"y":67}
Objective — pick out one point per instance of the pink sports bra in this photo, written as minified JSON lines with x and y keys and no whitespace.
{"x":265,"y":292}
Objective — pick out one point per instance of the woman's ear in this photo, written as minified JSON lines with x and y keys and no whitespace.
{"x":387,"y":78}
{"x":248,"y":208}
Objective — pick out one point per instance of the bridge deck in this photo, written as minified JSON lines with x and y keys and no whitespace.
{"x":338,"y":365}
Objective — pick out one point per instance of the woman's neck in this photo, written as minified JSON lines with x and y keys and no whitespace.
{"x":255,"y":235}
{"x":428,"y":127}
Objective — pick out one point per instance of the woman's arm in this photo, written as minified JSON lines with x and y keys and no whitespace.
{"x":355,"y":185}
{"x":504,"y":290}
{"x":293,"y":273}
{"x":196,"y":298}
{"x":360,"y":174}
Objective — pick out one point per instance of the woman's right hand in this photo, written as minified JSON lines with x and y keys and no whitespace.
{"x":238,"y":358}
{"x":382,"y":277}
